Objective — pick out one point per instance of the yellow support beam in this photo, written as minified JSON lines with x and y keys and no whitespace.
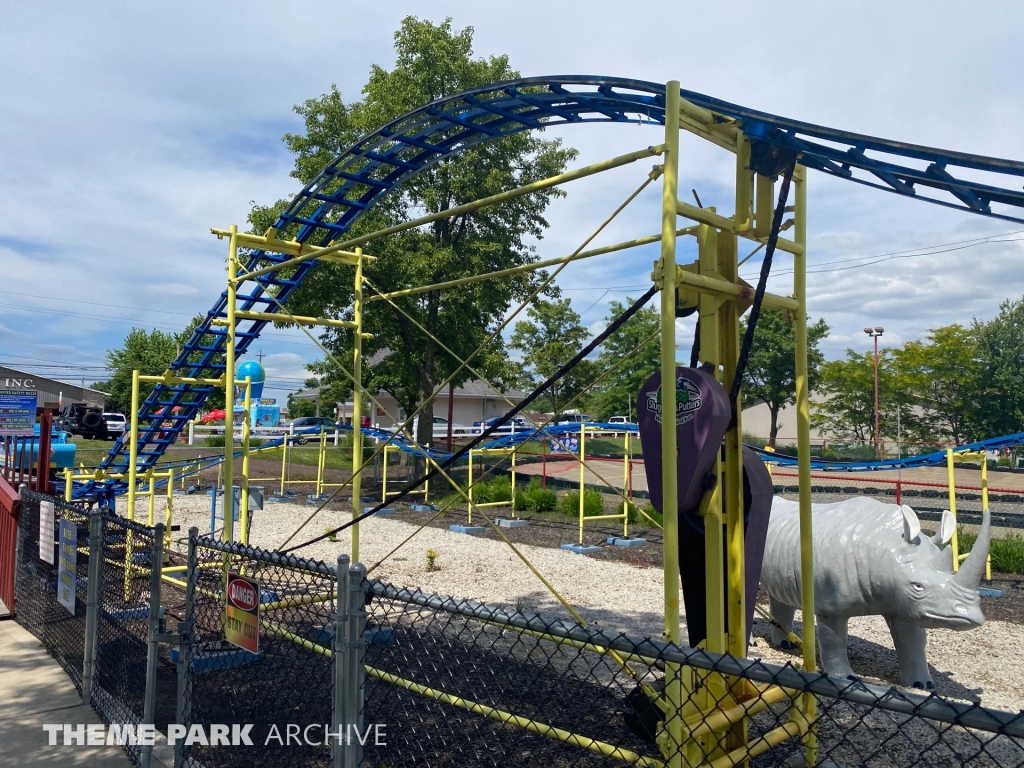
{"x":733,"y":290}
{"x":712,"y":219}
{"x":287,"y":247}
{"x":357,"y":403}
{"x":803,"y":437}
{"x":647,"y":240}
{"x":554,"y":181}
{"x":275,"y":317}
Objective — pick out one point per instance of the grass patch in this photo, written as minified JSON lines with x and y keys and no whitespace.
{"x":1007,"y":554}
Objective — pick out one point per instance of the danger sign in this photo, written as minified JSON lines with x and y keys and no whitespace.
{"x":242,"y":612}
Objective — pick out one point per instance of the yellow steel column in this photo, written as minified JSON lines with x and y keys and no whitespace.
{"x":170,"y":506}
{"x":243,"y":481}
{"x":229,"y":389}
{"x":284,"y":461}
{"x":513,"y":502}
{"x":729,"y":328}
{"x":469,"y":514}
{"x":803,"y":439}
{"x":357,"y":403}
{"x":583,"y":470}
{"x":152,"y":497}
{"x":984,"y":506}
{"x":711,"y":309}
{"x":669,"y":449}
{"x":744,"y":217}
{"x":321,"y":462}
{"x":68,"y":484}
{"x":133,"y":446}
{"x":952,"y":508}
{"x":625,"y":488}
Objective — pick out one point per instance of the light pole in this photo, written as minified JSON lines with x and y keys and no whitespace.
{"x":874,"y":333}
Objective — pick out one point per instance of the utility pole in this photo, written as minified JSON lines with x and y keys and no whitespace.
{"x":259,"y":356}
{"x":874,"y":333}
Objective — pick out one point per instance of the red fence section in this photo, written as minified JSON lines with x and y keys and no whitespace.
{"x":10,"y":506}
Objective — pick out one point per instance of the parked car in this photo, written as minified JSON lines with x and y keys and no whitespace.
{"x":116,"y":424}
{"x":573,"y":417}
{"x":619,"y":420}
{"x":306,"y":422}
{"x":83,"y":419}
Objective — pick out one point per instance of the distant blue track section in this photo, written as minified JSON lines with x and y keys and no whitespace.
{"x":357,"y":179}
{"x":564,"y":433}
{"x":927,"y":460}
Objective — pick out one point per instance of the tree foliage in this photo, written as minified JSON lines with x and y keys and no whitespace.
{"x":617,"y":393}
{"x":433,"y":60}
{"x":1000,"y":398}
{"x":771,"y":374}
{"x":550,"y":337}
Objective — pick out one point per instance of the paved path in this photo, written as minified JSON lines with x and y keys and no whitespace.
{"x":35,"y":690}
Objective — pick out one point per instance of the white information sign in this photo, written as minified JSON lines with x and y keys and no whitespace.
{"x":46,"y":532}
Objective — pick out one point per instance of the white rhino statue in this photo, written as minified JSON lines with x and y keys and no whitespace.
{"x":871,"y":559}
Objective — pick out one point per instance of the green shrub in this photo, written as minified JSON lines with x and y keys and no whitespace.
{"x":1007,"y":554}
{"x":593,"y":504}
{"x":498,"y":489}
{"x":535,"y":498}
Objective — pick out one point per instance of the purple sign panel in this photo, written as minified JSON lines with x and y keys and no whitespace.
{"x":701,"y":419}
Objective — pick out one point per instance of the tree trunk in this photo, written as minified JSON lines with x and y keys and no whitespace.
{"x":773,"y":433}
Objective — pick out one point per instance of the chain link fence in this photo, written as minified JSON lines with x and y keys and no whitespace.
{"x":289,"y":685}
{"x":61,"y":631}
{"x":460,"y":683}
{"x":409,"y":679}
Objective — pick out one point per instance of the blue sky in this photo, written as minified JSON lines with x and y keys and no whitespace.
{"x":129,"y":129}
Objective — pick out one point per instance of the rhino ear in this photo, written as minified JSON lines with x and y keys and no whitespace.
{"x":944,"y":535}
{"x":911,"y":525}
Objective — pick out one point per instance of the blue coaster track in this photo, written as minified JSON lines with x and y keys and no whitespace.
{"x":350,"y":185}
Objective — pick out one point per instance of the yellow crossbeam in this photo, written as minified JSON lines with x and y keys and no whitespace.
{"x":275,"y":317}
{"x":725,"y":288}
{"x":705,"y":216}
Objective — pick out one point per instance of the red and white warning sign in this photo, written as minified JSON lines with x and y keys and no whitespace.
{"x":242,"y":612}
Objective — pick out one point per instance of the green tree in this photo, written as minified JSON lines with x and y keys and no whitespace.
{"x":549,"y":339}
{"x":1001,"y":353}
{"x":945,"y":374}
{"x":848,"y":410}
{"x":770,"y":376}
{"x":433,"y":60}
{"x":617,"y":394}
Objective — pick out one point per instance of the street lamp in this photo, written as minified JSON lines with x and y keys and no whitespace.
{"x":874,"y":333}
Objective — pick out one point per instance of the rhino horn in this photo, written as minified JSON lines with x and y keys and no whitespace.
{"x":970,"y":573}
{"x":946,"y":527}
{"x":911,"y":525}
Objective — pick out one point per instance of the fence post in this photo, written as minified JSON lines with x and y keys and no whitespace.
{"x":356,"y":673}
{"x":186,"y":632}
{"x":92,"y":606}
{"x":340,"y":707}
{"x":156,"y":560}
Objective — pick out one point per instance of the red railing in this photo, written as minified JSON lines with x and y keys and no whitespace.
{"x":10,"y":506}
